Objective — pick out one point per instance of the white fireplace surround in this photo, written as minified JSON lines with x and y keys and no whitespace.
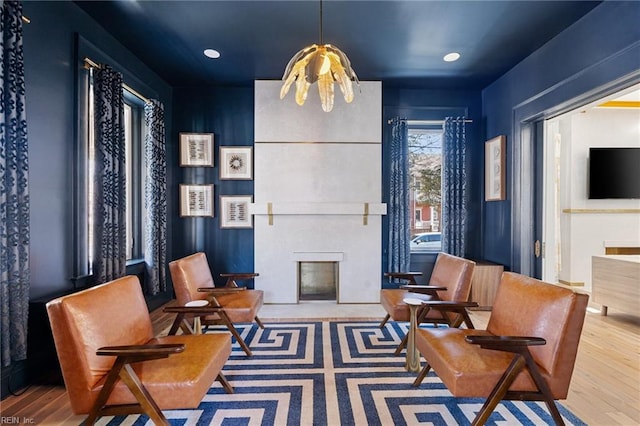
{"x":317,"y":192}
{"x":301,"y":256}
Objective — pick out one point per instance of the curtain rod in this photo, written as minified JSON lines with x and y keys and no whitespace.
{"x":428,"y":122}
{"x":88,"y":63}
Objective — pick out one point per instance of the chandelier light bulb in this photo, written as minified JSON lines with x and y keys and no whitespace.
{"x":326,"y":65}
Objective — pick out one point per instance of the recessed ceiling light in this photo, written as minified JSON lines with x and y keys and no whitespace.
{"x":211,"y":53}
{"x":450,"y":57}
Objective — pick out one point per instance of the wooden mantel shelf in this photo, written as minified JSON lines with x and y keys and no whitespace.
{"x":318,"y":208}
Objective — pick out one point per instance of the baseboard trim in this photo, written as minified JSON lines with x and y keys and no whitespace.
{"x":572,"y":283}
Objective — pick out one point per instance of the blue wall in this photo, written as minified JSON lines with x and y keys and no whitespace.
{"x":50,"y":69}
{"x":227,"y":112}
{"x":598,"y":55}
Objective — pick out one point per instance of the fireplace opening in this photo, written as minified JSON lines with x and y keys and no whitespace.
{"x":317,"y":281}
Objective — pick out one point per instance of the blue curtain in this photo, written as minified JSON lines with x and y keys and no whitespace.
{"x":14,"y":190}
{"x":155,"y":196}
{"x":454,"y":187}
{"x":398,"y":211}
{"x":109,"y":183}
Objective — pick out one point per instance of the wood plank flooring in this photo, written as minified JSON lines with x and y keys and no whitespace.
{"x":605,"y":389}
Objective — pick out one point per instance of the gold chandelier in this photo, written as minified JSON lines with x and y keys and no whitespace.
{"x":323,"y":63}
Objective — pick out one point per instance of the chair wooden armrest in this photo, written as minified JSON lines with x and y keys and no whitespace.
{"x":240,"y":275}
{"x":237,"y":276}
{"x":459,"y":308}
{"x":195,"y":310}
{"x":423,"y":289}
{"x":447,"y":305}
{"x":408,"y":276}
{"x":182,"y":312}
{"x":505,"y":343}
{"x":217,"y":291}
{"x":141,"y":352}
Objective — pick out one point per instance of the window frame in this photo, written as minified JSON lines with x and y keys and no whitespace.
{"x":138,"y":213}
{"x":415,"y":186}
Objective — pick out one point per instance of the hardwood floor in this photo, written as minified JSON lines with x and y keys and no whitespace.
{"x":605,"y":388}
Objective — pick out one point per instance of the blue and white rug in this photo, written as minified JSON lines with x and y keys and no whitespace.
{"x":335,"y":373}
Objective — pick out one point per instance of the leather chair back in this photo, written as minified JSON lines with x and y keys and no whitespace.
{"x":110,"y":314}
{"x":188,"y":274}
{"x":455,"y":273}
{"x":526,"y":306}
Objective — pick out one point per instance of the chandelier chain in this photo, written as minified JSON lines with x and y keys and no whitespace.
{"x":321,"y":38}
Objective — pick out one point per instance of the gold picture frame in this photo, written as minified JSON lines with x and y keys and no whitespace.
{"x":494,"y":169}
{"x":234,"y":211}
{"x":236,"y":162}
{"x":196,"y":201}
{"x":196,"y":150}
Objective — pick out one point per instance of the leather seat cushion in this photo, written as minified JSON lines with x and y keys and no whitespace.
{"x":242,"y":306}
{"x":181,"y":380}
{"x":466,"y":369}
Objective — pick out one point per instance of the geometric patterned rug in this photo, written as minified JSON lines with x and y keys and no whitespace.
{"x":334,"y":373}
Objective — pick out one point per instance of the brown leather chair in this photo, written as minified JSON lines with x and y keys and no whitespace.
{"x":527,"y":352}
{"x":227,"y":305}
{"x":450,"y":282}
{"x":112,"y":364}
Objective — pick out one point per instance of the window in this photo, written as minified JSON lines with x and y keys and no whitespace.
{"x":134,"y":129}
{"x":134,"y":141}
{"x":425,"y":169}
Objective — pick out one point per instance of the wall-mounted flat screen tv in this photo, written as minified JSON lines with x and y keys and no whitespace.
{"x":614,"y":173}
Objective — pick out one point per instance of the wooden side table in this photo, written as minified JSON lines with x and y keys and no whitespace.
{"x":484,"y":284}
{"x":412,"y":363}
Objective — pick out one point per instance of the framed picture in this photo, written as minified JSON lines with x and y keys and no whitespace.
{"x":494,"y":169}
{"x":236,"y":162}
{"x":196,"y":200}
{"x":234,"y":211}
{"x":196,"y":149}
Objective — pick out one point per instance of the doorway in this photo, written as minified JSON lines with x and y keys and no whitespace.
{"x":573,"y":227}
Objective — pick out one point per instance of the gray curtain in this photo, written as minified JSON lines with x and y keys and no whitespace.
{"x":454,"y":187}
{"x":155,"y":196}
{"x":109,"y":181}
{"x":398,"y":211}
{"x":14,"y":190}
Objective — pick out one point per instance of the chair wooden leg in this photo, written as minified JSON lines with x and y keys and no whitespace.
{"x":423,"y":373}
{"x":384,"y":321}
{"x":123,"y":370}
{"x":110,"y":381}
{"x":260,"y":324}
{"x":543,"y":387}
{"x":234,"y":332}
{"x":402,"y":344}
{"x":500,"y":390}
{"x":180,"y":322}
{"x":147,"y":403}
{"x":225,"y":383}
